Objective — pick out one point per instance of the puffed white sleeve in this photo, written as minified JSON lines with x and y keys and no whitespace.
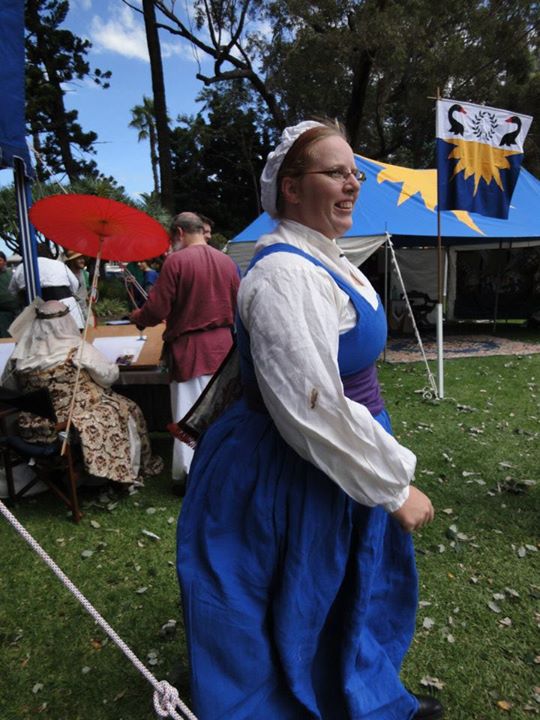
{"x":100,"y":368}
{"x":292,"y":317}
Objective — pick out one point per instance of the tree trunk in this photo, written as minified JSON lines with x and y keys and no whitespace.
{"x":360,"y":83}
{"x":154,"y":158}
{"x":41,"y":170}
{"x":160,"y":105}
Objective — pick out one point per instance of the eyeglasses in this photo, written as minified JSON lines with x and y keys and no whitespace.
{"x":339,"y":174}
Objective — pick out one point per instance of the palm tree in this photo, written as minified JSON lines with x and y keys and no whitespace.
{"x":143,"y":120}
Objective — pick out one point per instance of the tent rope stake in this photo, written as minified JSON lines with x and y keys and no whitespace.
{"x":166,"y":698}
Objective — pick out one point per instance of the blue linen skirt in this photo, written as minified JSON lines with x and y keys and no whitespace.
{"x":298,"y":602}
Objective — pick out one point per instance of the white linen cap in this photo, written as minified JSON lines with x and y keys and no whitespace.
{"x":274,"y":161}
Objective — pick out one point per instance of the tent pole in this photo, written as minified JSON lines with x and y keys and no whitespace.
{"x":27,"y":239}
{"x":440,"y":339}
{"x":386,"y":298}
{"x":440,"y":357}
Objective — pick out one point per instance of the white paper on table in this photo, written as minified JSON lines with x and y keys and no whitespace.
{"x":120,"y":347}
{"x":5,"y":352}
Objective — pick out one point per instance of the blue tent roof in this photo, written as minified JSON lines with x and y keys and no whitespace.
{"x":403,"y":202}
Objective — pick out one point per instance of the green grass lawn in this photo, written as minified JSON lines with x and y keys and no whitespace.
{"x":476,"y":645}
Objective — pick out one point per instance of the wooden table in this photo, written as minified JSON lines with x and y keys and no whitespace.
{"x":145,"y":381}
{"x":151,"y":352}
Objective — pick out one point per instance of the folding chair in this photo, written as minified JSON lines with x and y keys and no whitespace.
{"x":45,"y":458}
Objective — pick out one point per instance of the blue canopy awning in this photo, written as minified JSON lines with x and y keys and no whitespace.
{"x":13,"y":149}
{"x":403,"y":202}
{"x":12,"y":124}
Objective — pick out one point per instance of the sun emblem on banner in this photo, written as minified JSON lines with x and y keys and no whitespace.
{"x":477,"y":159}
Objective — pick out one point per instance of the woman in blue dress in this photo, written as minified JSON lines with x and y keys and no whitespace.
{"x":295,"y":556}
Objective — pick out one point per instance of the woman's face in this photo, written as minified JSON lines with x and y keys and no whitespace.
{"x":318,"y":200}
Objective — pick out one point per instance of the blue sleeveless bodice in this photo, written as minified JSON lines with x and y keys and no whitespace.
{"x":359,"y":347}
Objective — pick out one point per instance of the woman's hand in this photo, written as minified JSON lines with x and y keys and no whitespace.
{"x":416,"y":511}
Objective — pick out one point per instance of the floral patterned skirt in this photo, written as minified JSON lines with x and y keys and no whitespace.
{"x":101,"y":418}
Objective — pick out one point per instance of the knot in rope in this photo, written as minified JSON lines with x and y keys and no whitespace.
{"x":165,"y":699}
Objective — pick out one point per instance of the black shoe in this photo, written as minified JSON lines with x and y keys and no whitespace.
{"x":428,"y":708}
{"x":179,"y":485}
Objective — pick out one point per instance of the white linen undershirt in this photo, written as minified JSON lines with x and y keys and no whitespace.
{"x":294,"y":313}
{"x":52,"y":273}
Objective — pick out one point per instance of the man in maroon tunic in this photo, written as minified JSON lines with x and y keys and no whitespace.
{"x":196,"y":296}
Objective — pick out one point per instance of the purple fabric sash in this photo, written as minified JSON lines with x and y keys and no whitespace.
{"x":363,"y":387}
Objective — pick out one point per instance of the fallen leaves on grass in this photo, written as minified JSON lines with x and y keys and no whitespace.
{"x":152,"y":657}
{"x":168,"y":629}
{"x":151,"y":535}
{"x":432,"y":682}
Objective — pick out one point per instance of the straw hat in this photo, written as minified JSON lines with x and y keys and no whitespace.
{"x":71,"y":255}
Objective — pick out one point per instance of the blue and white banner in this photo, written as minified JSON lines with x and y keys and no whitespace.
{"x":479,"y":155}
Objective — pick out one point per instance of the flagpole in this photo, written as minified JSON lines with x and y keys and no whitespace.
{"x":440,"y":289}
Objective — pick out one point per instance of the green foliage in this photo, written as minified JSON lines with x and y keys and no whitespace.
{"x":111,"y":289}
{"x":217,"y":160}
{"x":113,"y":302}
{"x":476,"y":453}
{"x":55,"y":57}
{"x":150,"y":203}
{"x":111,"y":308}
{"x":374,"y":64}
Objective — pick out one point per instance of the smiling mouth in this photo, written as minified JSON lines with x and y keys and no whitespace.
{"x":345,"y":205}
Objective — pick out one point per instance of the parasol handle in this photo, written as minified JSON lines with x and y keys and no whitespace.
{"x":93,"y":290}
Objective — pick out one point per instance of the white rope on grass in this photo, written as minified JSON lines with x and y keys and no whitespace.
{"x":166,"y":698}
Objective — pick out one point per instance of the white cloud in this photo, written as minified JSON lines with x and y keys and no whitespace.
{"x":122,"y":33}
{"x":82,"y":4}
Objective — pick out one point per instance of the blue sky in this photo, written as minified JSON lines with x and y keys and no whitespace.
{"x":119,"y":44}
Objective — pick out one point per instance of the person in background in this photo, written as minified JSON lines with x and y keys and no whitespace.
{"x":8,"y":303}
{"x":295,"y":555}
{"x":56,"y":280}
{"x":112,"y":430}
{"x":196,"y":295}
{"x":208,"y":226}
{"x":150,"y":275}
{"x":135,"y":274}
{"x":76,"y":262}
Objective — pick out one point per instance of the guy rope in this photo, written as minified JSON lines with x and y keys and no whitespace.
{"x":167,"y":702}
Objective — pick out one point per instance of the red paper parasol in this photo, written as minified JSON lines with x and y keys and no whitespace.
{"x":97,"y":226}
